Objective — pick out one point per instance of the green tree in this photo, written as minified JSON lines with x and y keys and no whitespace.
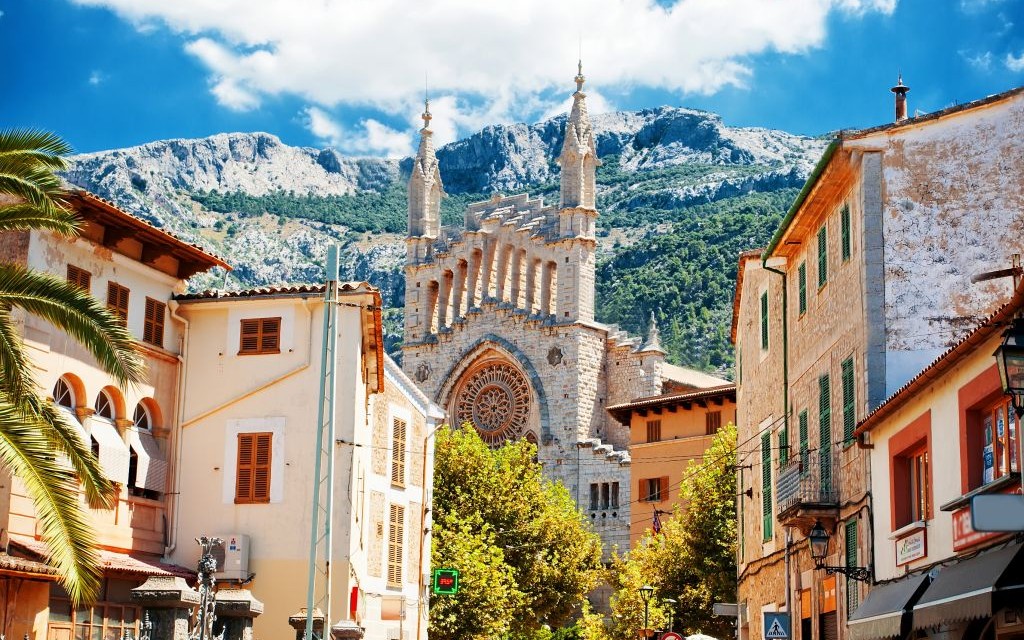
{"x":32,"y":431}
{"x":527,"y":556}
{"x":692,"y":560}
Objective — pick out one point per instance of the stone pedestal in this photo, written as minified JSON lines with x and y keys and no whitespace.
{"x":236,"y":609}
{"x":298,"y":622}
{"x":347,"y":630}
{"x":168,"y":601}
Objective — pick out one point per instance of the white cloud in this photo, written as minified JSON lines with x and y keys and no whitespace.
{"x":96,"y":77}
{"x":371,"y":137}
{"x":1015,"y":63}
{"x":487,"y":61}
{"x":980,"y":61}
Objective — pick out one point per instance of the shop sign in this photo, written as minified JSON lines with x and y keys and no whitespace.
{"x":964,"y":535}
{"x":911,"y":547}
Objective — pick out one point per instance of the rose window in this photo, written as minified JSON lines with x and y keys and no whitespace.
{"x":496,"y":400}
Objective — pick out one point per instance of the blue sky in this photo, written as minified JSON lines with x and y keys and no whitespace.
{"x":350,"y":73}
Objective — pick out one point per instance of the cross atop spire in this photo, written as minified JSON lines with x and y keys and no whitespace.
{"x":580,"y":78}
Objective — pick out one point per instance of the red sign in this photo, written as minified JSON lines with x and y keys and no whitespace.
{"x":964,"y":535}
{"x":671,"y":635}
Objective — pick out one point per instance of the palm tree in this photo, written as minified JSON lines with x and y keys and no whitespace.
{"x":34,"y":436}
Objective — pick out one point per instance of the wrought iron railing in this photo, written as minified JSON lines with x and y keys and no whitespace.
{"x":806,"y":480}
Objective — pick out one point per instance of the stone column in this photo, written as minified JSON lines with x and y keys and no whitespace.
{"x":236,"y":609}
{"x":298,"y":622}
{"x":486,"y":290}
{"x":431,"y":315}
{"x":474,"y":276}
{"x":502,"y":284}
{"x":545,"y":290}
{"x":517,"y":277}
{"x":168,"y":601}
{"x":531,"y":283}
{"x":459,"y":292}
{"x":444,"y":303}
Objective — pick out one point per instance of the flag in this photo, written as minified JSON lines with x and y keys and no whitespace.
{"x":656,"y":526}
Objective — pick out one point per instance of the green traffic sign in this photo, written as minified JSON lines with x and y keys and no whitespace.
{"x":446,"y":582}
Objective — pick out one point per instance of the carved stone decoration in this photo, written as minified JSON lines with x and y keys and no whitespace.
{"x":495,"y":399}
{"x":422,"y":372}
{"x":555,"y":356}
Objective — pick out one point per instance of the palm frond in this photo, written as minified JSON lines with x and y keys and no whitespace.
{"x":24,"y":217}
{"x":15,"y":368}
{"x":65,"y":440}
{"x":24,"y":450}
{"x":76,"y":313}
{"x":36,"y":185}
{"x":37,"y":139}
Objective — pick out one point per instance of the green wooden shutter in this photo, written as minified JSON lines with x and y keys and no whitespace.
{"x":852,"y":597}
{"x":783,"y":446}
{"x":825,"y":433}
{"x":804,"y":443}
{"x":766,"y":484}
{"x":822,"y":257}
{"x":849,"y":409}
{"x":844,"y":217}
{"x":802,"y":293}
{"x":764,"y":320}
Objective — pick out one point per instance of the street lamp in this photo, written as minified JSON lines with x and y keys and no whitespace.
{"x":645,"y":594}
{"x":1010,"y":361}
{"x":818,"y":539}
{"x":671,"y":612}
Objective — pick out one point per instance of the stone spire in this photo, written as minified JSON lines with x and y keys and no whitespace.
{"x":579,"y":155}
{"x":653,"y":337}
{"x":425,"y":188}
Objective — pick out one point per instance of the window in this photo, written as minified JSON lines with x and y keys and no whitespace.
{"x":852,"y":595}
{"x":805,"y":449}
{"x":801,"y":278}
{"x":260,"y":335}
{"x":989,"y":430}
{"x":79,"y":277}
{"x":396,"y":538}
{"x":117,"y":300}
{"x":615,"y":496}
{"x":844,"y":222}
{"x":595,"y":493}
{"x":849,"y":405}
{"x":63,"y":395}
{"x":825,"y":432}
{"x":783,"y":446}
{"x":712,"y":422}
{"x":153,"y":327}
{"x":764,"y":321}
{"x":653,"y":430}
{"x":912,"y":486}
{"x":654,"y":489}
{"x":104,"y":406}
{"x":252,"y":472}
{"x":141,"y":418}
{"x":105,"y":620}
{"x":398,"y":452}
{"x":999,"y":455}
{"x":766,"y":485}
{"x":605,"y":495}
{"x":822,"y":257}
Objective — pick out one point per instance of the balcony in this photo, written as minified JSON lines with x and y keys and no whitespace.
{"x":806,"y":491}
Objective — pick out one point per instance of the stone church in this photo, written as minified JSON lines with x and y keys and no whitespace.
{"x":500,"y":329}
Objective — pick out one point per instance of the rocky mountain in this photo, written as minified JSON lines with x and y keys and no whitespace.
{"x":269,"y":208}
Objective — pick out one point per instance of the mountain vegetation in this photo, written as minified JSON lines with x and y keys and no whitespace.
{"x":679,"y":195}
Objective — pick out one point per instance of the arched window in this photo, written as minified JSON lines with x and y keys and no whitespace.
{"x":104,"y":406}
{"x":63,"y":394}
{"x":142,"y":419}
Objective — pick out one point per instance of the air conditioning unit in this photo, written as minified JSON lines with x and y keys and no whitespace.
{"x":232,"y":556}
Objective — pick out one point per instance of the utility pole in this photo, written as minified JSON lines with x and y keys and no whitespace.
{"x":318,"y":593}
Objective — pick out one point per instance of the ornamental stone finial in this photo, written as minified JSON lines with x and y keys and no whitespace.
{"x":580,"y":78}
{"x":426,"y":113}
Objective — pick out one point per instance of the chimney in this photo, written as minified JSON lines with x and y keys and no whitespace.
{"x":901,"y":98}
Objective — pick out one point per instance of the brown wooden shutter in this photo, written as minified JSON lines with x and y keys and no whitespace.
{"x":252,"y":473}
{"x":153,"y":327}
{"x":260,"y":335}
{"x":396,"y":538}
{"x":117,"y":300}
{"x":79,"y":277}
{"x":663,"y":489}
{"x":270,"y":335}
{"x":250,"y":336}
{"x":642,"y":490}
{"x":398,"y":452}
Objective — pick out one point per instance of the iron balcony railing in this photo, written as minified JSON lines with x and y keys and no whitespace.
{"x":807,"y":480}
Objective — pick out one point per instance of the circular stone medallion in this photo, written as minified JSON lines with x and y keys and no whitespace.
{"x":495,"y":399}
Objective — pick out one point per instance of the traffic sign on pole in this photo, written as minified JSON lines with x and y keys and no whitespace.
{"x":446,"y":582}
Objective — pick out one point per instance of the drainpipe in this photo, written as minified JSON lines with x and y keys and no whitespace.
{"x":179,"y":415}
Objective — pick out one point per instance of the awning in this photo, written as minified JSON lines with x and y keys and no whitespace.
{"x":115,"y":562}
{"x":882,"y":612}
{"x":72,"y":419}
{"x":151,"y":464}
{"x":966,"y":590}
{"x":114,"y":455}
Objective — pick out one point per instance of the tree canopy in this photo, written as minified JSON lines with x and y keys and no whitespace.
{"x":527,"y":557}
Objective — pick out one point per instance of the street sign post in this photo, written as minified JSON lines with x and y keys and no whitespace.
{"x":671,"y":635}
{"x":446,"y":582}
{"x":776,"y":626}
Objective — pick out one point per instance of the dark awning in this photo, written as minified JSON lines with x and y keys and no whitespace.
{"x":881,"y":613}
{"x":966,"y":590}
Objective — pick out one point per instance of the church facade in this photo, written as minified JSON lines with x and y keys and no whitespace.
{"x":500,"y":329}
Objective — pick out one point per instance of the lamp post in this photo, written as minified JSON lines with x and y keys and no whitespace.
{"x":645,"y":594}
{"x":818,"y":540}
{"x":671,"y":612}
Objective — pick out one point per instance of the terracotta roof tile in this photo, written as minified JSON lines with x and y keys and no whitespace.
{"x":277,"y":290}
{"x":622,"y":411}
{"x":114,"y":561}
